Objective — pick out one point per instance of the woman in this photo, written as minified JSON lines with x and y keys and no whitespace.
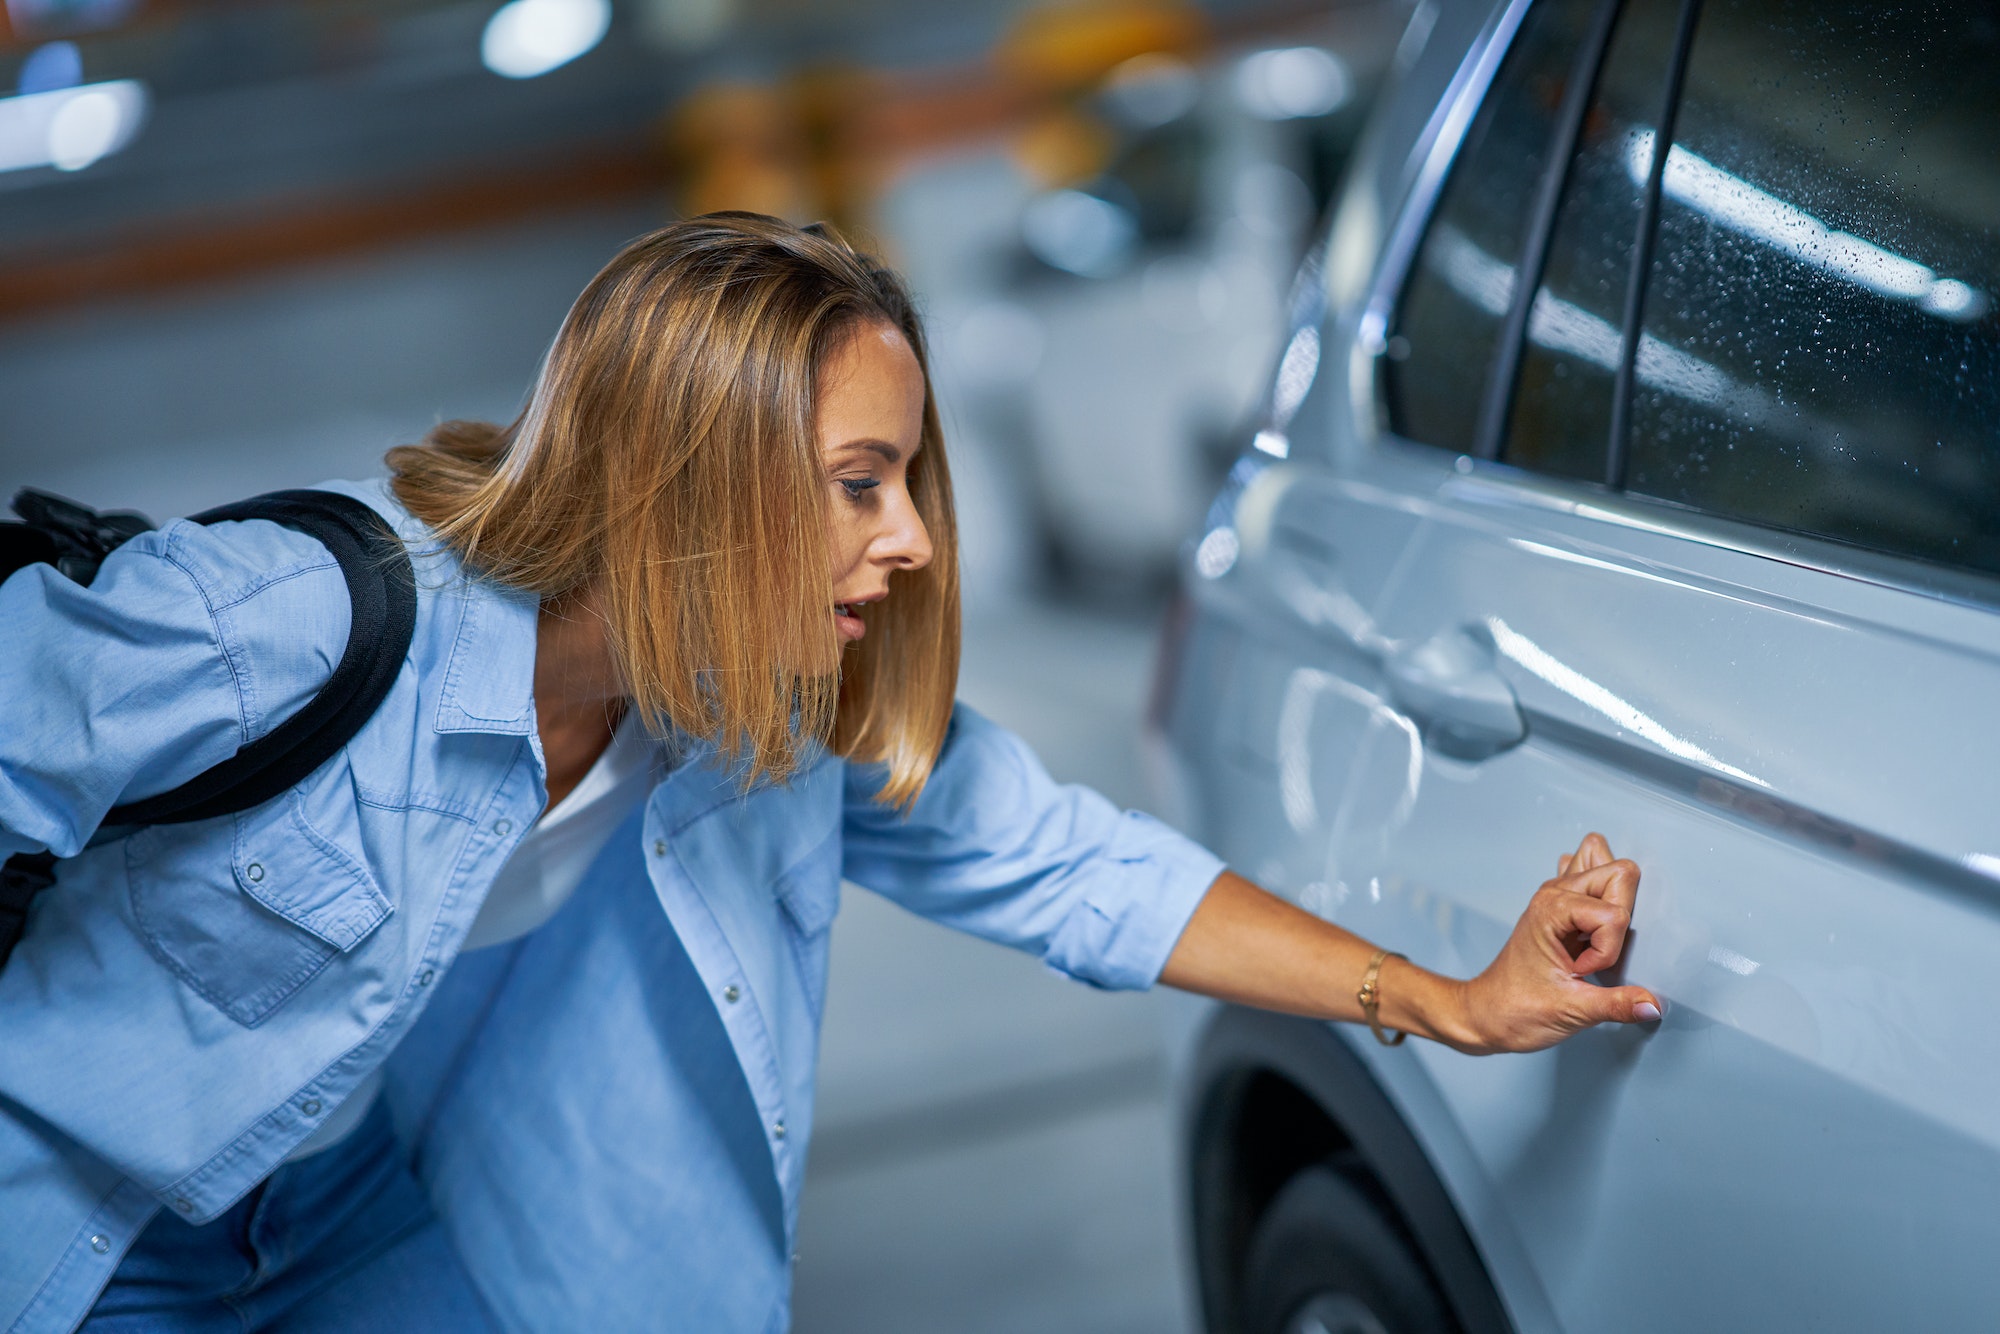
{"x":380,"y":1054}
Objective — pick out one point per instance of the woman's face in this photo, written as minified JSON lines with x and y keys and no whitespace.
{"x":870,"y":424}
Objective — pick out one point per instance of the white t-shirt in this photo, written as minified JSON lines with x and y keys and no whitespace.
{"x":544,"y":870}
{"x":553,"y":855}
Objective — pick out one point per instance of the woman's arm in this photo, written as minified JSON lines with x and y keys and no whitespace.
{"x":1253,"y":948}
{"x":996,"y":847}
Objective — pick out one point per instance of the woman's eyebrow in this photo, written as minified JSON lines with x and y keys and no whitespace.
{"x":888,"y":451}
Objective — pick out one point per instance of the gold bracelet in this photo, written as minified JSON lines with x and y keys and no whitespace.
{"x":1370,"y":997}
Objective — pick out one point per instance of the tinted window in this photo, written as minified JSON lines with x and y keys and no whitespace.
{"x":1820,"y":349}
{"x":1561,"y":417}
{"x":1441,"y":347}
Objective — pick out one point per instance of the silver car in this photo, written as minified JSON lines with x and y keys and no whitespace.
{"x":1656,"y":493}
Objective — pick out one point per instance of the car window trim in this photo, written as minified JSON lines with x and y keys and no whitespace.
{"x":1511,"y":484}
{"x":1435,"y":149}
{"x":1618,"y":446}
{"x":1503,"y":376}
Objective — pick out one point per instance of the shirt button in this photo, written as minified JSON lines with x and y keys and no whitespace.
{"x":659,"y":847}
{"x":310,"y":1106}
{"x":426,"y":977}
{"x":503,"y":827}
{"x":731,"y":993}
{"x":254,"y":872}
{"x":184,"y":1204}
{"x":100,"y":1243}
{"x":778,"y":1130}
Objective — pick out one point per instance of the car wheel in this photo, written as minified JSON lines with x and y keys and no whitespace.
{"x":1329,"y":1258}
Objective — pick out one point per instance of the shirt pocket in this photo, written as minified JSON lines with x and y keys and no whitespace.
{"x":248,"y":923}
{"x":809,"y":889}
{"x":809,"y":894}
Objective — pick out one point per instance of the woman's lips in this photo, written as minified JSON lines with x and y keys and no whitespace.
{"x":847,"y":615}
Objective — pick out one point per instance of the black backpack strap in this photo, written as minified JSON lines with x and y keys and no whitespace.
{"x":382,"y":590}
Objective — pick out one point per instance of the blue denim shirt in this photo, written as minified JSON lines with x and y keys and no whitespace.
{"x":610,"y":1114}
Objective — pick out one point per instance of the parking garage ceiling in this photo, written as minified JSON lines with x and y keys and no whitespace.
{"x":146,"y":143}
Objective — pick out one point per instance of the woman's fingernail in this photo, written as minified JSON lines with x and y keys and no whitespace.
{"x":1646,"y":1012}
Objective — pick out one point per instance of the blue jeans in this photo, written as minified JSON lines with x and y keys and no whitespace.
{"x":342,"y":1241}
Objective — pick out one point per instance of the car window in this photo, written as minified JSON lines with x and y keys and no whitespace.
{"x":1441,"y":346}
{"x":1560,"y":420}
{"x":1820,"y":346}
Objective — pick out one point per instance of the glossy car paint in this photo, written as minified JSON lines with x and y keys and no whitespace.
{"x":1411,"y":679}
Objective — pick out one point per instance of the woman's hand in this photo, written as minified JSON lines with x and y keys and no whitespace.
{"x":1253,"y":948}
{"x":1535,"y":994}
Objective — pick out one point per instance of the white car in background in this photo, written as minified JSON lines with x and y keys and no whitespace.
{"x":1099,"y":348}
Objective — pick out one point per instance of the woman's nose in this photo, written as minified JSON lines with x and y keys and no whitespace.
{"x":905,"y":544}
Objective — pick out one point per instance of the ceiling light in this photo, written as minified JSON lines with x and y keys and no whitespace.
{"x":526,"y":38}
{"x":70,"y":128}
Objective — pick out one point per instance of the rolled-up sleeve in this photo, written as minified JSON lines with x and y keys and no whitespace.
{"x":191,"y":641}
{"x":116,"y":685}
{"x":996,"y":847}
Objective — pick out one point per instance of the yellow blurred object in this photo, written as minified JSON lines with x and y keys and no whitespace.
{"x":1066,"y":146}
{"x":827,"y":103}
{"x":738,"y":145}
{"x":798,"y":150}
{"x":821,"y":143}
{"x":1069,"y":47}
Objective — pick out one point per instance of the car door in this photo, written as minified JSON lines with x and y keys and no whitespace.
{"x":1709,"y":561}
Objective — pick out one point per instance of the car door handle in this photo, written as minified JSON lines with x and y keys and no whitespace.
{"x":1451,"y":686}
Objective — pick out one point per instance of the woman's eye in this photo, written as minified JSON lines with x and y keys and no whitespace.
{"x":856,"y":486}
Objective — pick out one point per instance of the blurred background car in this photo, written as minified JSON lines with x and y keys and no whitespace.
{"x":253,"y":245}
{"x":1641,"y":478}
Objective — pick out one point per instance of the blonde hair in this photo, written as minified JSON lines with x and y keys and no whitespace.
{"x":667,"y":462}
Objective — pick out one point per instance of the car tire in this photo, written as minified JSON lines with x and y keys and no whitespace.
{"x":1328,"y":1257}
